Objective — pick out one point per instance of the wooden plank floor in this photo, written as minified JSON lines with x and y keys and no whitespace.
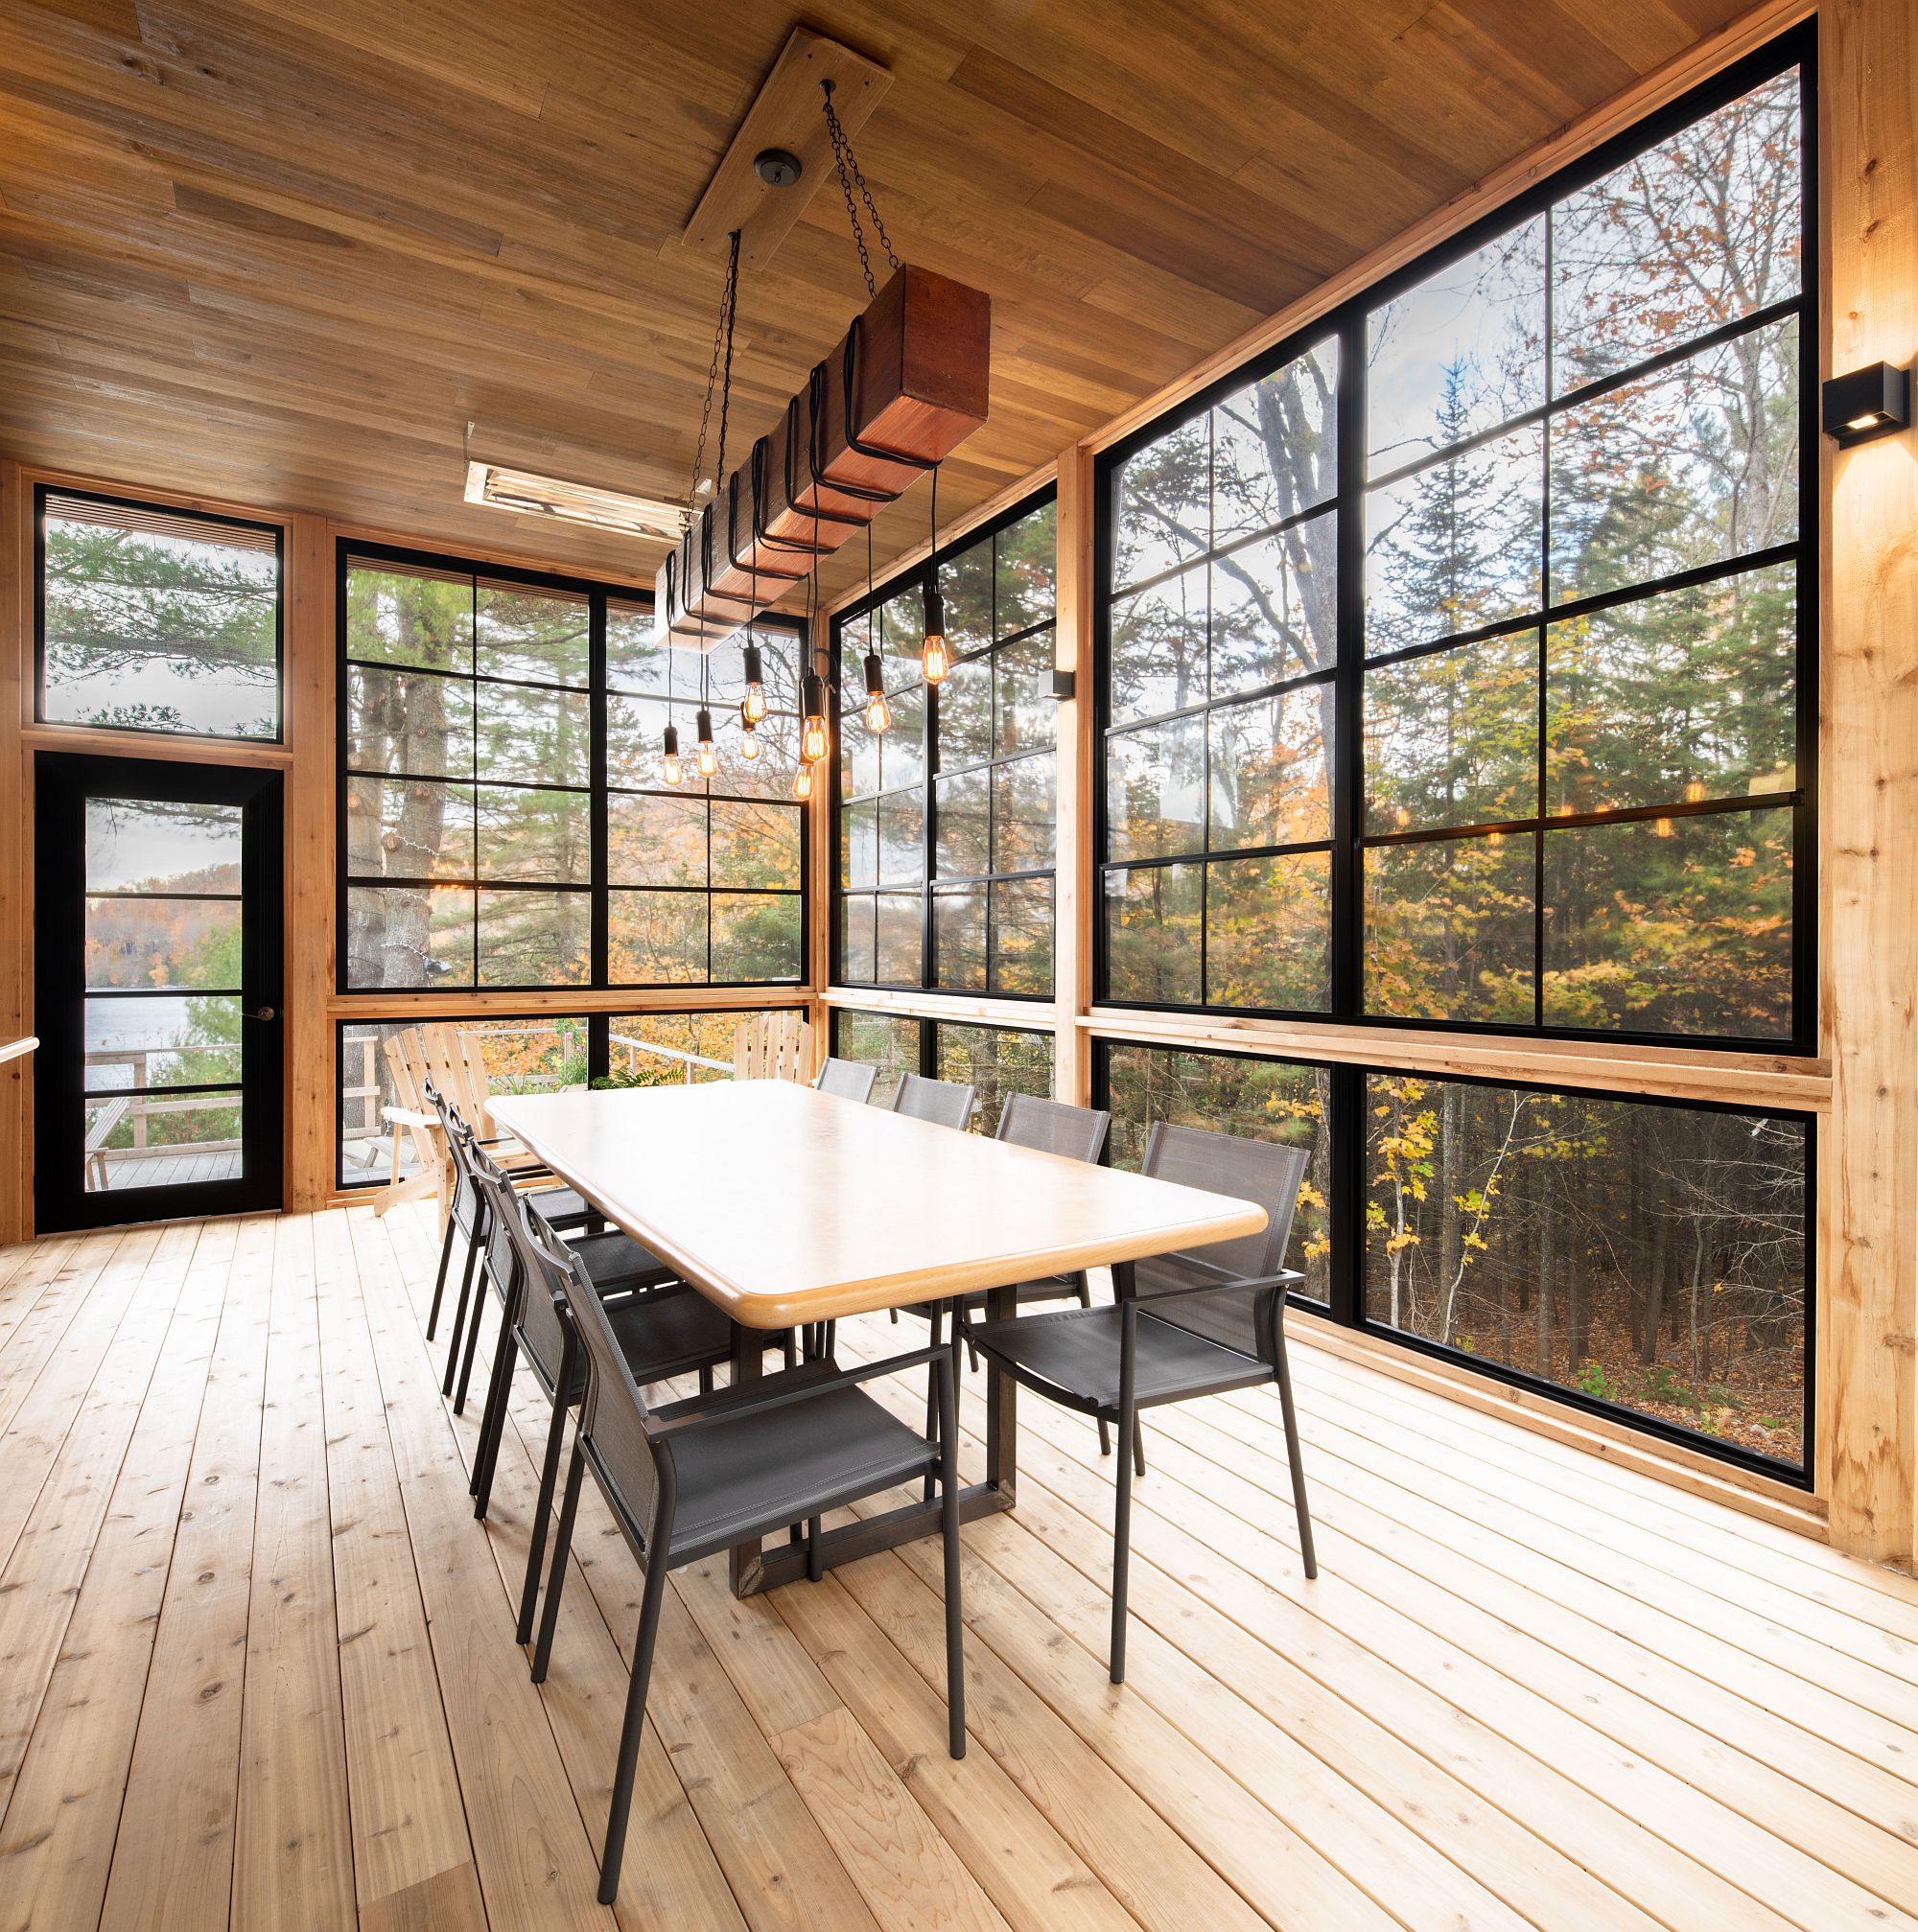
{"x":257,"y":1669}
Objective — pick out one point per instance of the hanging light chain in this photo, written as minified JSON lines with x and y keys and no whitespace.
{"x":849,"y":175}
{"x":722,"y":348}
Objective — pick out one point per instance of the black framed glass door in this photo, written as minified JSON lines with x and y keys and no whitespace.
{"x":157,"y":1086}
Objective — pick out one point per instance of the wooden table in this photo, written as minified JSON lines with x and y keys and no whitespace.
{"x":786,"y":1206}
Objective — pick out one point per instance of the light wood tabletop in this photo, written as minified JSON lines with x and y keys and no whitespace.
{"x":787,"y":1206}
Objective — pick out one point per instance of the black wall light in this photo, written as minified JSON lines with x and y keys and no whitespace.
{"x":1870,"y":402}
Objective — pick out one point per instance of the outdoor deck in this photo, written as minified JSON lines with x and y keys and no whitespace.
{"x":259,"y":1669}
{"x":172,"y":1170}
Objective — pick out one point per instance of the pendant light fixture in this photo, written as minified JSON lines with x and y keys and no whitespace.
{"x":753,"y":707}
{"x":749,"y":739}
{"x":935,"y":659}
{"x":802,"y":781}
{"x":813,"y":740}
{"x":670,"y":759}
{"x":709,"y":751}
{"x":878,"y":714}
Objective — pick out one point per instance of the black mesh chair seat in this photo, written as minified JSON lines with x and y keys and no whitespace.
{"x":614,"y":1260}
{"x":562,"y":1207}
{"x":737,"y":1481}
{"x":1072,"y":1355}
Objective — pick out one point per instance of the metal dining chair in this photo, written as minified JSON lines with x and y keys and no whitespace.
{"x":848,"y":1079}
{"x":1196,"y":1322}
{"x":661,"y":1332}
{"x":695,"y":1477}
{"x":945,"y":1103}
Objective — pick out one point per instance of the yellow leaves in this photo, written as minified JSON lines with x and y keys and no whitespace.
{"x":1404,"y":1239}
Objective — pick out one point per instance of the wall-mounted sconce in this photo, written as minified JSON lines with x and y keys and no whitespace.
{"x":1064,"y":686}
{"x":1870,"y":402}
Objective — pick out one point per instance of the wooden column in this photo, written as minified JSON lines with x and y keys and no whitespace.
{"x":17,"y":854}
{"x":1867,"y":1419}
{"x":1077,"y":890}
{"x":311,"y":940}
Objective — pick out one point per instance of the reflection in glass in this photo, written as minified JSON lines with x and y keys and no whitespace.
{"x":1025,"y":717}
{"x":1024,"y":554}
{"x":877,"y":1039}
{"x":1274,"y":608}
{"x":966,"y":715}
{"x":1269,"y":932}
{"x":859,"y":846}
{"x":959,"y":936}
{"x":1452,"y":738}
{"x":1162,"y":504}
{"x":1155,"y":790}
{"x":1676,"y":925}
{"x":1159,"y":647}
{"x":897,"y":943}
{"x":1270,"y":761}
{"x":1461,"y":352}
{"x":1152,"y":934}
{"x":858,"y":937}
{"x":901,"y":838}
{"x":1023,"y":815}
{"x":1449,"y":929}
{"x":960,"y":816}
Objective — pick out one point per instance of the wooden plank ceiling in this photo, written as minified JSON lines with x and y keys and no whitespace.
{"x":282,"y":252}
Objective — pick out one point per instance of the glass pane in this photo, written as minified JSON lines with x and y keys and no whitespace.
{"x":754,"y":844}
{"x":1023,"y":814}
{"x":1269,"y":932}
{"x":408,"y":828}
{"x":755,"y":936}
{"x":1458,"y":546}
{"x":1025,"y":557}
{"x":1159,"y":647}
{"x":903,"y":636}
{"x":533,"y":1055}
{"x":959,"y":936}
{"x":1152,"y":935}
{"x":1671,"y":925}
{"x":535,"y":737}
{"x":1452,"y":738}
{"x":901,"y":838}
{"x":409,"y":937}
{"x":163,"y":944}
{"x":1684,"y":238}
{"x":1268,"y":764}
{"x":159,"y":620}
{"x":178,"y":1141}
{"x":1691,"y":693}
{"x":396,"y":615}
{"x":366,"y":1086}
{"x":877,"y":1039}
{"x":161,"y":846}
{"x":168,"y":1040}
{"x":858,"y":747}
{"x":995,"y":1060}
{"x":1162,"y":504}
{"x":1684,"y":468}
{"x":1155,"y":790}
{"x":1449,"y":930}
{"x":960,"y":815}
{"x":902,"y":749}
{"x":535,"y":938}
{"x":644,"y":1049}
{"x":899,"y":939}
{"x":1022,"y":929}
{"x":535,"y":835}
{"x":409,"y":721}
{"x":1256,"y":1099}
{"x":966,"y":715}
{"x":542,"y":635}
{"x":1651,"y":1256}
{"x":966,"y":583}
{"x":1461,"y":352}
{"x":655,"y":938}
{"x":1025,"y":715}
{"x":1276,"y":445}
{"x":1275,"y":608}
{"x":636,"y":740}
{"x":634,"y":661}
{"x":859,"y":845}
{"x":654,"y":840}
{"x":858,"y":937}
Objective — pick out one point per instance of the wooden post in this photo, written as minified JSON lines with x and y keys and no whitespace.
{"x":1867,"y":1420}
{"x":1076,"y":892}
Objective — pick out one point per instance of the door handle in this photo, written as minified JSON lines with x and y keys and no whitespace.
{"x":264,"y":1012}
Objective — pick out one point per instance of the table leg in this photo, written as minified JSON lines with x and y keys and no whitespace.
{"x":749,"y":1350}
{"x":1001,"y":1410}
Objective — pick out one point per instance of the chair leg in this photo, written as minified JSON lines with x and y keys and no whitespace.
{"x":1122,"y":1511}
{"x":1298,"y":1502}
{"x":493,"y":1418}
{"x":705,"y":1379}
{"x":1139,"y":1445}
{"x":439,"y":1280}
{"x":630,"y":1733}
{"x":946,"y":1382}
{"x":555,"y":1575}
{"x":1105,"y":1439}
{"x":473,"y":1326}
{"x":815,"y":1554}
{"x":938,"y":1327}
{"x":459,"y":1315}
{"x":542,"y":1516}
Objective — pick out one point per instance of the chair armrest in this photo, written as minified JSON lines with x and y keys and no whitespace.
{"x":1145,"y":1303}
{"x":407,"y":1116}
{"x":893,"y":1364}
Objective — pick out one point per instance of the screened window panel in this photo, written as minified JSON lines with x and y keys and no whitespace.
{"x":1268,"y":769}
{"x":1268,"y":932}
{"x":996,"y":1062}
{"x":1449,"y":929}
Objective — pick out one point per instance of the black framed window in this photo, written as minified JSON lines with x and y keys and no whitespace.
{"x":1458,"y":659}
{"x":503,"y":813}
{"x":947,"y":824}
{"x":997,"y":1061}
{"x":1647,"y":1258}
{"x":155,"y":619}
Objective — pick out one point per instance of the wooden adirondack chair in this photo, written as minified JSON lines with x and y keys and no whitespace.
{"x":773,"y":1046}
{"x":450,"y":1059}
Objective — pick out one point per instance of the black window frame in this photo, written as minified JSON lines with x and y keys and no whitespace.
{"x":597,"y":791}
{"x":1797,"y":47}
{"x":927,"y":1025}
{"x":899,"y":583}
{"x":265,"y":526}
{"x":1346,"y":1276}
